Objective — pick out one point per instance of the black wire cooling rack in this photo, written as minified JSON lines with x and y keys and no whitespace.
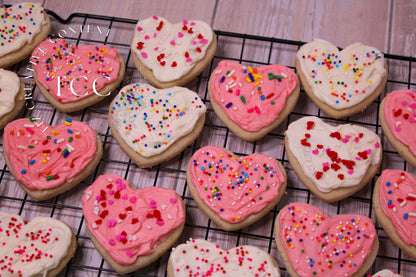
{"x":83,"y":28}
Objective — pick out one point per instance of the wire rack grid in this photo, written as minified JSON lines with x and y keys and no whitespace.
{"x":252,"y":50}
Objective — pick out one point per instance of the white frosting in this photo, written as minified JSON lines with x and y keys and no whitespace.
{"x":9,"y":87}
{"x":22,"y":22}
{"x":171,"y":44}
{"x":345,"y":78}
{"x":155,"y":118}
{"x":386,"y":273}
{"x":239,"y":261}
{"x":34,"y":254}
{"x":315,"y":157}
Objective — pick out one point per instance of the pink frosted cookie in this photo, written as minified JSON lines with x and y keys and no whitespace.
{"x":12,"y":96}
{"x":333,"y":162}
{"x":169,"y":55}
{"x":398,"y":120}
{"x":74,"y":77}
{"x":41,"y":247}
{"x":47,"y":161}
{"x":23,"y":27}
{"x":311,"y":243}
{"x":131,"y":228}
{"x":386,"y":273}
{"x":341,"y":83}
{"x":252,"y":101}
{"x":199,"y":257}
{"x":234,"y":192}
{"x":394,"y":200}
{"x":154,"y":125}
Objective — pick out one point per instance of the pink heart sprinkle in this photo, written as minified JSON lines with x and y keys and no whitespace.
{"x":192,"y":23}
{"x":160,"y":223}
{"x":203,"y":41}
{"x":188,"y":60}
{"x":412,"y":119}
{"x":180,"y":34}
{"x":156,"y":48}
{"x":98,"y":198}
{"x":316,"y":151}
{"x":125,"y":197}
{"x":111,"y":223}
{"x":120,"y":237}
{"x":185,"y":22}
{"x":154,"y":35}
{"x":350,"y":171}
{"x":173,"y":200}
{"x":377,"y":145}
{"x":194,"y":42}
{"x":129,"y":253}
{"x":110,"y":202}
{"x":345,"y":140}
{"x":121,"y":187}
{"x":133,"y":199}
{"x":111,"y":192}
{"x":172,"y":42}
{"x":144,"y":55}
{"x":118,"y":181}
{"x":155,"y":17}
{"x":397,"y":129}
{"x":139,"y":28}
{"x":146,"y":37}
{"x":111,"y":242}
{"x":413,"y":105}
{"x":404,"y":103}
{"x":325,"y":164}
{"x":368,"y":151}
{"x":356,"y":139}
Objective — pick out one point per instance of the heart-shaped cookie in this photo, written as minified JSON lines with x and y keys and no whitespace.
{"x":153,"y":125}
{"x":341,"y":83}
{"x":398,"y":120}
{"x":131,"y":228}
{"x":252,"y":101}
{"x":74,"y":77}
{"x":333,"y":162}
{"x":169,"y":54}
{"x":394,"y":200}
{"x":47,"y":161}
{"x":23,"y":27}
{"x":199,"y":257}
{"x":234,"y":192}
{"x":41,"y":247}
{"x":311,"y":243}
{"x":12,"y":96}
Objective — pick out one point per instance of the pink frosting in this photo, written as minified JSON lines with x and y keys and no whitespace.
{"x":252,"y":97}
{"x":235,"y":188}
{"x":398,"y":201}
{"x":400,"y":114}
{"x":130,"y":223}
{"x":79,"y":65}
{"x":318,"y":245}
{"x":44,"y":157}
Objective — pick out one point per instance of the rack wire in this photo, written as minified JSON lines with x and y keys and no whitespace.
{"x":81,"y":28}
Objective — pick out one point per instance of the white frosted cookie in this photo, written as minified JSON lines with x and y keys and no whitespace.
{"x":12,"y":96}
{"x":341,"y":83}
{"x":386,"y":273}
{"x":23,"y":26}
{"x":40,"y":247}
{"x":333,"y":162}
{"x":154,"y":125}
{"x":169,"y":54}
{"x":199,"y":257}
